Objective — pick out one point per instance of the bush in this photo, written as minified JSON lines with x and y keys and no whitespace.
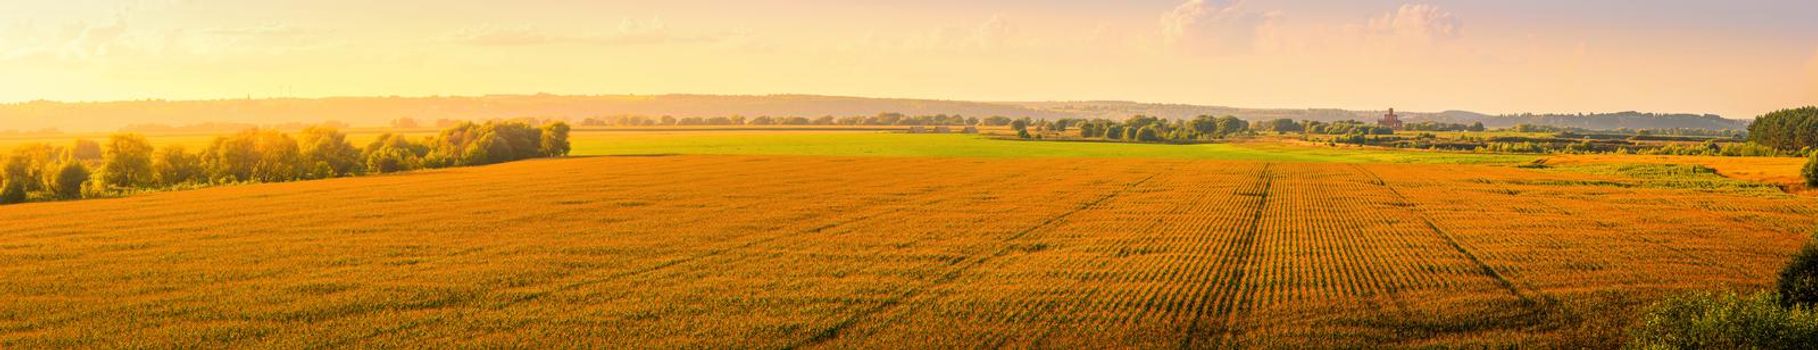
{"x":1724,"y":320}
{"x":1811,"y":171}
{"x":69,"y":181}
{"x":1798,"y":285}
{"x":14,"y":192}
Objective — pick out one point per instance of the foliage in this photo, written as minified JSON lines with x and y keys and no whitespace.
{"x":127,"y":161}
{"x":69,"y":180}
{"x":12,"y":192}
{"x":554,"y":140}
{"x":1798,"y":283}
{"x":328,"y":153}
{"x":1787,"y":130}
{"x":174,"y":165}
{"x":1810,"y":171}
{"x":1725,"y":320}
{"x":86,"y":150}
{"x":394,"y":153}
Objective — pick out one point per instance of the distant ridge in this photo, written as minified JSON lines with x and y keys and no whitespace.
{"x":374,"y":111}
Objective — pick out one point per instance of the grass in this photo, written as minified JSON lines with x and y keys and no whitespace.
{"x":961,"y":145}
{"x":758,"y":251}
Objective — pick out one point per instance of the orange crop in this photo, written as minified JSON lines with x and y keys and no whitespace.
{"x":784,"y":252}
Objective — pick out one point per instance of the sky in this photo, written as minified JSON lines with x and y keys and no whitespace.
{"x":1736,"y":58}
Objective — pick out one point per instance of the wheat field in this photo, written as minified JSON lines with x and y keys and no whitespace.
{"x":852,"y":252}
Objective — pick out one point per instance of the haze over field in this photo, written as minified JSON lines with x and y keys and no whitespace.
{"x":863,"y":174}
{"x":380,"y":111}
{"x":1733,"y":58}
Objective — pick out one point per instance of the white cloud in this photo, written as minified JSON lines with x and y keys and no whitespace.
{"x":81,"y":42}
{"x":1213,"y":26}
{"x":1416,"y":25}
{"x":994,"y":34}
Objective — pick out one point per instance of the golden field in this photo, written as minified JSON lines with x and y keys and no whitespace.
{"x":852,"y":252}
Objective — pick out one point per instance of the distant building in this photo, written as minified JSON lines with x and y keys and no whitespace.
{"x":1390,"y":120}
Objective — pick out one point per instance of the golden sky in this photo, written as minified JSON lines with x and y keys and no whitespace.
{"x":1736,"y":58}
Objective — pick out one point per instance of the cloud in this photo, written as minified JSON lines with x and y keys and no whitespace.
{"x":629,"y":32}
{"x":1213,"y":26}
{"x":993,"y":35}
{"x":1416,"y":25}
{"x":85,"y":42}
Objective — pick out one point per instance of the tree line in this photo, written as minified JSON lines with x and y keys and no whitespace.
{"x":1138,"y":128}
{"x":1788,"y":130}
{"x":127,"y":162}
{"x":881,"y":119}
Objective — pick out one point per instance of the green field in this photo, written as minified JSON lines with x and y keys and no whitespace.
{"x":961,"y":145}
{"x":886,"y":144}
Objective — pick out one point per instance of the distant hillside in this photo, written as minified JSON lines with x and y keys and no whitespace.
{"x":1598,"y":121}
{"x":1601,"y":121}
{"x":374,"y":111}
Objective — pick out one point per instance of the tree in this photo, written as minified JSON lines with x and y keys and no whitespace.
{"x":1204,"y":125}
{"x":69,"y":179}
{"x":1147,"y":134}
{"x":12,"y":192}
{"x":554,"y":139}
{"x":174,"y":165}
{"x":1811,"y":171}
{"x":1231,"y":125}
{"x":1475,"y":126}
{"x":31,"y":165}
{"x":127,"y":161}
{"x":1787,"y":130}
{"x":86,"y":150}
{"x":1798,"y":284}
{"x":231,"y":158}
{"x":328,"y":153}
{"x":393,"y":153}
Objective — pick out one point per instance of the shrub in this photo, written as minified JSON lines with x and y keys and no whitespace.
{"x":68,"y":184}
{"x":127,"y":161}
{"x":1811,"y":171}
{"x":1798,"y":284}
{"x":14,"y":192}
{"x":174,"y":165}
{"x":1724,"y":320}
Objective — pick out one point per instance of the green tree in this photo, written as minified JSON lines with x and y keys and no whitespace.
{"x":231,"y":158}
{"x":279,"y":157}
{"x":394,"y":153}
{"x":12,"y":192}
{"x":86,"y":150}
{"x":554,"y":139}
{"x":1147,"y":134}
{"x":1227,"y":125}
{"x":1811,"y":171}
{"x":1798,"y":283}
{"x":127,"y":161}
{"x":70,"y":177}
{"x":30,"y":164}
{"x":328,"y":153}
{"x":174,"y":165}
{"x":1787,"y":130}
